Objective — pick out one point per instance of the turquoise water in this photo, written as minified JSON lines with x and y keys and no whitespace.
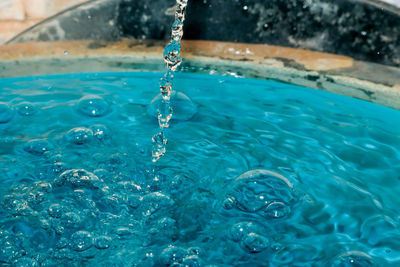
{"x":257,"y":173}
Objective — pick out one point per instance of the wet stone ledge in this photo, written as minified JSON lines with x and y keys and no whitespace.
{"x":362,"y":29}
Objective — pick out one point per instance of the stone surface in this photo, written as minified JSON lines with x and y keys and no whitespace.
{"x":12,"y":10}
{"x":343,"y":75}
{"x":363,"y":29}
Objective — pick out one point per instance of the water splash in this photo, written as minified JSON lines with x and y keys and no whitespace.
{"x":172,"y":57}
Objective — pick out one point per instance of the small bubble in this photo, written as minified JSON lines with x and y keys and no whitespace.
{"x":93,"y":106}
{"x":26,"y":109}
{"x":255,"y":243}
{"x":81,"y":240}
{"x":102,"y":242}
{"x":37,"y":147}
{"x":6,"y":113}
{"x":79,"y":136}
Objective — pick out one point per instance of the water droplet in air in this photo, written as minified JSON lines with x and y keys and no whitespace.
{"x":164,"y":113}
{"x":65,"y":52}
{"x":177,"y":30}
{"x":172,"y":55}
{"x":158,"y":149}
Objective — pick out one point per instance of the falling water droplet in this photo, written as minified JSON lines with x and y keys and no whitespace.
{"x":159,"y":143}
{"x":164,"y":113}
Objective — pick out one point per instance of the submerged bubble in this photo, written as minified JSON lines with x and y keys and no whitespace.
{"x":79,"y":136}
{"x":6,"y":113}
{"x":93,"y":106}
{"x":81,"y":240}
{"x":26,"y":109}
{"x":264,"y":192}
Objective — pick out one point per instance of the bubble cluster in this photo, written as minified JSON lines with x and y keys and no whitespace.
{"x":88,"y":196}
{"x":263,"y":192}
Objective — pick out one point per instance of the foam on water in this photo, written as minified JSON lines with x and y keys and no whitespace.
{"x":258,"y":174}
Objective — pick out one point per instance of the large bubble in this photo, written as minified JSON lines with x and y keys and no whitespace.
{"x":182,"y":106}
{"x":77,"y":178}
{"x":263,"y":192}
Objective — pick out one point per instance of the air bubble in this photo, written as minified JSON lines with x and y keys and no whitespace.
{"x":101,"y":132}
{"x":55,"y":210}
{"x":26,"y":262}
{"x":172,"y":255}
{"x":78,"y":178}
{"x":102,"y":242}
{"x":81,"y":240}
{"x":6,"y":113}
{"x":263,"y":192}
{"x":26,"y":109}
{"x":93,"y":106}
{"x":37,"y":147}
{"x":255,"y":243}
{"x":79,"y":136}
{"x":276,"y":210}
{"x":353,"y":258}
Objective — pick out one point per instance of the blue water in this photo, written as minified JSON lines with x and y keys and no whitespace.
{"x":257,"y":173}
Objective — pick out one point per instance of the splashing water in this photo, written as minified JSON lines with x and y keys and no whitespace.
{"x":172,"y":57}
